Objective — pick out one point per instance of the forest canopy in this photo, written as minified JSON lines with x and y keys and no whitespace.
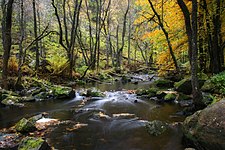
{"x":70,"y":37}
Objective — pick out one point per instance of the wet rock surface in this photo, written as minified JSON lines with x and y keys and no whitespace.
{"x":206,"y":129}
{"x":32,"y":143}
{"x":35,"y":90}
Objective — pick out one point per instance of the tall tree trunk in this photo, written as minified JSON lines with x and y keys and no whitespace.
{"x":6,"y":38}
{"x":196,"y":92}
{"x":18,"y":82}
{"x":120,"y":50}
{"x":192,"y":30}
{"x":36,"y":35}
{"x":129,"y":38}
{"x":216,"y":49}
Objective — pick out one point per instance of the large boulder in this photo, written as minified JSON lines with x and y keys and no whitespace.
{"x":61,"y":92}
{"x":31,"y":143}
{"x":185,"y":86}
{"x":163,"y":83}
{"x":206,"y":128}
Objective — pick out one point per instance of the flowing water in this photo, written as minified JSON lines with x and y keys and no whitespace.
{"x":116,"y":121}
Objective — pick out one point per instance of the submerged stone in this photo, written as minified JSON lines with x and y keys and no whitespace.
{"x":156,"y":127}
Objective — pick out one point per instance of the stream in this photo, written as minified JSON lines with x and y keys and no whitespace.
{"x":116,"y":121}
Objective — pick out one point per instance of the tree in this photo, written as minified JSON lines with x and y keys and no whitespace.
{"x":67,"y":41}
{"x":35,"y":35}
{"x":120,"y":49}
{"x":161,"y":24}
{"x":192,"y":30}
{"x":7,"y":9}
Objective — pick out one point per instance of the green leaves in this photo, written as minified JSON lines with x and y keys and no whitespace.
{"x":57,"y":64}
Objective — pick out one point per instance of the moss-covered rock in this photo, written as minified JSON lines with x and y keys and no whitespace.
{"x":93,"y":93}
{"x":25,"y":125}
{"x":182,"y":96}
{"x":163,"y":83}
{"x":209,"y":87}
{"x":161,"y":94}
{"x":215,"y":84}
{"x":156,"y":127}
{"x":185,"y":86}
{"x":31,"y":143}
{"x":151,"y":92}
{"x":12,"y":101}
{"x":206,"y":129}
{"x":170,"y":97}
{"x":61,"y":92}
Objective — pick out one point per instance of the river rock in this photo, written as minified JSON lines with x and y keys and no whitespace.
{"x":31,"y":143}
{"x":151,"y":92}
{"x":124,"y":116}
{"x":156,"y":127}
{"x":206,"y":128}
{"x":25,"y":125}
{"x":170,"y":97}
{"x":93,"y":93}
{"x":163,"y":83}
{"x":185,"y":86}
{"x":9,"y":141}
{"x":61,"y":92}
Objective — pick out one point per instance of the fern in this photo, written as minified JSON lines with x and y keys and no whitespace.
{"x":57,"y":64}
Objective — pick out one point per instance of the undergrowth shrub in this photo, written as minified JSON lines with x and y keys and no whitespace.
{"x":57,"y":64}
{"x":13,"y":66}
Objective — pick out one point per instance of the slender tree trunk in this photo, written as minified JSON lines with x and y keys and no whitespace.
{"x":120,"y":50}
{"x":35,"y":35}
{"x":196,"y":92}
{"x":192,"y":30}
{"x":6,"y":38}
{"x":129,"y":38}
{"x":90,"y":34}
{"x":18,"y":82}
{"x":216,"y":49}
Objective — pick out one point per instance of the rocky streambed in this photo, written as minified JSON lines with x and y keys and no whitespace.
{"x":133,"y":115}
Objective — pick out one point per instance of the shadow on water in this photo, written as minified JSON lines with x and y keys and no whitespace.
{"x":116,"y":121}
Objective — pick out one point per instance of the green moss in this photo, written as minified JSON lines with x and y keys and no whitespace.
{"x":94,"y":93}
{"x":25,"y":125}
{"x":170,"y":97}
{"x":31,"y":143}
{"x":149,"y":92}
{"x":163,"y":83}
{"x":11,"y":100}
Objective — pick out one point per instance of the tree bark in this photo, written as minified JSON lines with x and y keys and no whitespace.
{"x":192,"y":30}
{"x":35,"y":35}
{"x":18,"y":82}
{"x":7,"y":38}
